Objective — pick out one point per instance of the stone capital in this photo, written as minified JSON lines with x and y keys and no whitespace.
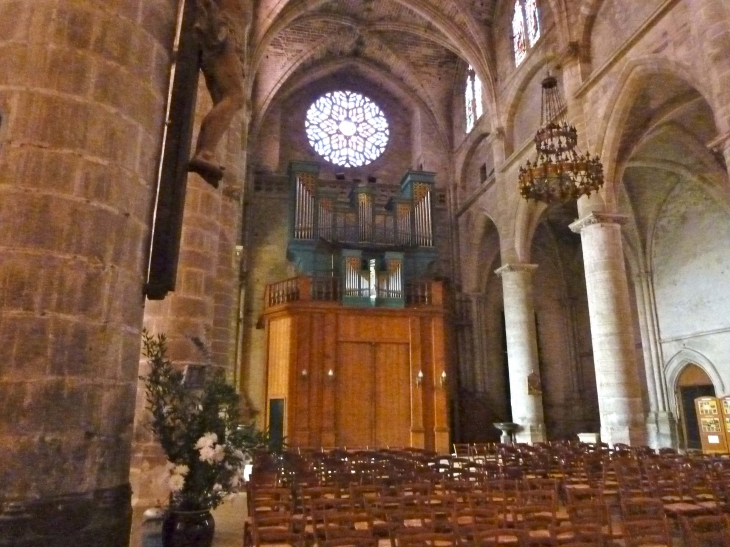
{"x":598,"y":218}
{"x":517,"y":267}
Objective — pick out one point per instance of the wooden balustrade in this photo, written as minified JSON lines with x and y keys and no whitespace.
{"x":327,"y":289}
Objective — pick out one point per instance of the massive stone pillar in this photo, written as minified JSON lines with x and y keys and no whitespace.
{"x":82,"y":94}
{"x":522,"y":357}
{"x":617,"y":378}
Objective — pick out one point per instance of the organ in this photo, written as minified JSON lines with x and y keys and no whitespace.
{"x":357,"y":345}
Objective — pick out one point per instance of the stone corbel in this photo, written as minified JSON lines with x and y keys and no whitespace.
{"x":598,"y":218}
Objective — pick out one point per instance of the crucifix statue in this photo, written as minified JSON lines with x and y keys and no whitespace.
{"x":221,"y":27}
{"x":211,"y":39}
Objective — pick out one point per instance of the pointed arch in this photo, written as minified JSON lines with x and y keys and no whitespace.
{"x":687,"y":356}
{"x":630,"y":83}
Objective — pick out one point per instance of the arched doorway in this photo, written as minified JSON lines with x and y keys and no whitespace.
{"x":693,"y":382}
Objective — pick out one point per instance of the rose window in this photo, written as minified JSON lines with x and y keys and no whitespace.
{"x":347,"y":128}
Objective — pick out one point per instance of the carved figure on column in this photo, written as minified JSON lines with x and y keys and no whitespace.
{"x":221,"y":28}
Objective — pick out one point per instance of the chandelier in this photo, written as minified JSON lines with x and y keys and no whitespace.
{"x":560,"y":173}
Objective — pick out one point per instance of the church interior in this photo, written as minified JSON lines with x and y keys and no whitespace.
{"x":366,"y":270}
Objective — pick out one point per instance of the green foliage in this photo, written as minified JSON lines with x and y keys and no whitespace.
{"x":200,"y":430}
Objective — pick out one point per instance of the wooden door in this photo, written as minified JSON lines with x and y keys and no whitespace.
{"x":392,"y":398}
{"x":355,"y":394}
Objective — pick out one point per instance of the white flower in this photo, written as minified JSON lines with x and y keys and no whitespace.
{"x":219,"y":453}
{"x":181,"y":470}
{"x":217,"y":487}
{"x":207,"y":440}
{"x":239,"y":454}
{"x":206,"y":454}
{"x":175,"y":483}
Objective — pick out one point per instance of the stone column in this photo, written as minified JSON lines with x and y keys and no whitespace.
{"x":522,"y":357}
{"x":661,"y":424}
{"x":617,"y":376}
{"x":83,"y":88}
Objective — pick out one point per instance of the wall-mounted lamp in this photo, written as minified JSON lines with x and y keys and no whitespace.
{"x":304,"y":374}
{"x":331,"y":374}
{"x":419,"y":378}
{"x":443,"y":378}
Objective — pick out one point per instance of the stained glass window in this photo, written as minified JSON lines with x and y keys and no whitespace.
{"x":347,"y":128}
{"x":518,"y":32}
{"x":473,"y":99}
{"x":533,"y":21}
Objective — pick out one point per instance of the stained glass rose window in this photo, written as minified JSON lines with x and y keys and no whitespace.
{"x":347,"y":128}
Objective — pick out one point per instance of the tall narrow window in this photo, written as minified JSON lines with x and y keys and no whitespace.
{"x":533,"y":21}
{"x":518,"y":34}
{"x":525,"y":28}
{"x":473,"y":99}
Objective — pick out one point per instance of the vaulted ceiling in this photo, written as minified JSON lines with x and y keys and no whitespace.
{"x":414,"y":44}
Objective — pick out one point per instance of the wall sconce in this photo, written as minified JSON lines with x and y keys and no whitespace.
{"x":419,"y":378}
{"x":330,"y":374}
{"x":443,"y":379}
{"x":304,"y":374}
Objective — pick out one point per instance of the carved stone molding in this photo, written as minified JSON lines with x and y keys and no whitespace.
{"x":598,"y":218}
{"x":517,"y":267}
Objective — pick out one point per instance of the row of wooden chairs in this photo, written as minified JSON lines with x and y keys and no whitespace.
{"x":386,"y":486}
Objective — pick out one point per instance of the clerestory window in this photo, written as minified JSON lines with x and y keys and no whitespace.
{"x":525,"y":28}
{"x":473,"y":99}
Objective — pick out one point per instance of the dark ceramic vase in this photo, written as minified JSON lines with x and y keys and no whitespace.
{"x":188,"y":529}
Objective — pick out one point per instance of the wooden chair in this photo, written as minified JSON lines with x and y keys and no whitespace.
{"x":349,"y":524}
{"x":499,"y":537}
{"x":466,"y":522}
{"x":705,"y":531}
{"x":275,"y":529}
{"x":581,"y":535}
{"x":642,"y":509}
{"x":647,"y":533}
{"x":261,"y":500}
{"x":426,"y":539}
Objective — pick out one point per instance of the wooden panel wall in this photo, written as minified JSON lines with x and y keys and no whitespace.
{"x":371,"y":398}
{"x":392,"y":400}
{"x":279,"y":360}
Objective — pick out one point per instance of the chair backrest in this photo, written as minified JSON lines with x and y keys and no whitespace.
{"x":641,"y":533}
{"x":642,"y":509}
{"x":426,"y":539}
{"x":577,"y":533}
{"x":268,"y":499}
{"x":706,"y":531}
{"x":276,"y":529}
{"x":500,"y":537}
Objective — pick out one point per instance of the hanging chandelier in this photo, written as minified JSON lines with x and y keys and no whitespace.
{"x":560,"y":173}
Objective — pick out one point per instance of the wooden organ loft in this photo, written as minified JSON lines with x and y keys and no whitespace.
{"x":356,"y":344}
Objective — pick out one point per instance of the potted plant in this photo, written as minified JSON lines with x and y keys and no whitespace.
{"x":199,"y":427}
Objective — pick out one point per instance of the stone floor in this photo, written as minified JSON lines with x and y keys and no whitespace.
{"x":229,"y":519}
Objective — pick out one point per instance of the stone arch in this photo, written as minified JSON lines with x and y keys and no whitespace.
{"x":630,"y":83}
{"x":371,"y":70}
{"x":465,"y":161}
{"x":381,"y":51}
{"x":514,"y":98}
{"x":527,"y":218}
{"x":685,"y":357}
{"x":478,"y":225}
